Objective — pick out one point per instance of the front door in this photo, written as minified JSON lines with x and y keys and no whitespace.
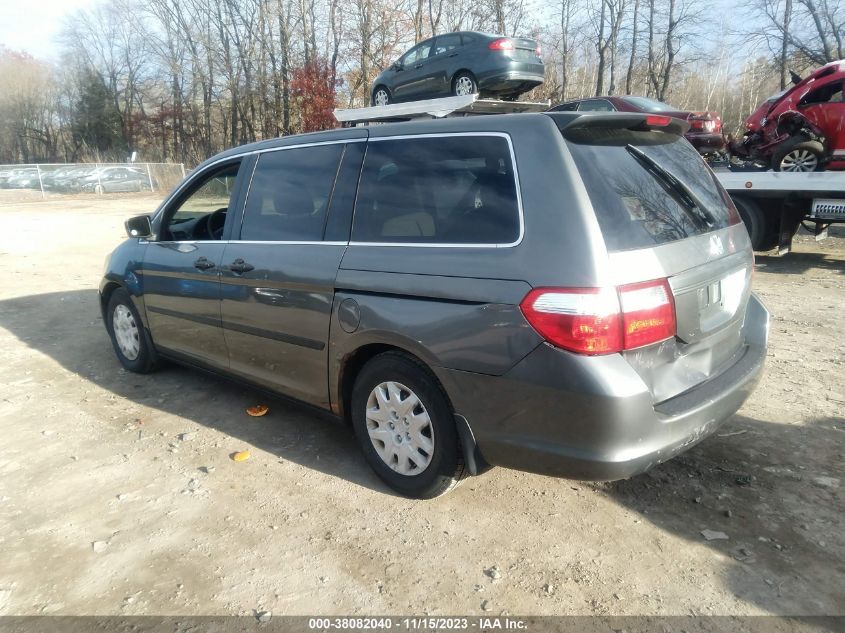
{"x":181,"y":269}
{"x":411,"y":80}
{"x":824,"y":107}
{"x":278,"y":273}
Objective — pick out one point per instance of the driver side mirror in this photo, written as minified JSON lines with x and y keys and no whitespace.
{"x":139,"y":226}
{"x":397,"y":66}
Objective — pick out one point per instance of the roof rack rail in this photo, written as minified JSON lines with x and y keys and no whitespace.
{"x":435,"y":109}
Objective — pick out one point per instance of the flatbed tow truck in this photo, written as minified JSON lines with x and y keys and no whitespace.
{"x":773,"y":205}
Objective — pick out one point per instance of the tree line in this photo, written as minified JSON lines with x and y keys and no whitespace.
{"x":179,"y":80}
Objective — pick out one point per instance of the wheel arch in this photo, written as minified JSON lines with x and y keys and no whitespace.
{"x":804,"y":137}
{"x":458,"y":72}
{"x":353,"y":362}
{"x":351,"y":367}
{"x":106,"y":291}
{"x":375,"y":89}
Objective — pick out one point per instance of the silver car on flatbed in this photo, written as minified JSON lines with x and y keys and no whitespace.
{"x":562,"y":293}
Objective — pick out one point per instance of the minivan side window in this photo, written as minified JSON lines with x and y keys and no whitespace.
{"x":458,"y":189}
{"x":290,"y":193}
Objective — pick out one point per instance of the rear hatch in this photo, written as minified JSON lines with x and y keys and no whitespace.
{"x":663,"y":215}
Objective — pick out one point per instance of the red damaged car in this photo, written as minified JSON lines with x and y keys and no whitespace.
{"x":799,"y":129}
{"x":705,"y":132}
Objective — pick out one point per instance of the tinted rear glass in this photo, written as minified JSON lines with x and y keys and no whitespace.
{"x":635,"y":207}
{"x":440,"y":190}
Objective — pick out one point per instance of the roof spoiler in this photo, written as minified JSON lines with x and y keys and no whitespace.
{"x":638,"y":122}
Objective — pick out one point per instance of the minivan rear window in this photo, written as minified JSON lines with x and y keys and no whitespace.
{"x":457,"y":189}
{"x":647,"y":188}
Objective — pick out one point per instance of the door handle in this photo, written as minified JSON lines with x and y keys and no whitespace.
{"x":418,"y":66}
{"x":240,"y":266}
{"x":453,"y":55}
{"x":203,"y":264}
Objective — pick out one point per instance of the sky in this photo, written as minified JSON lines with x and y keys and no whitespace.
{"x":32,"y":25}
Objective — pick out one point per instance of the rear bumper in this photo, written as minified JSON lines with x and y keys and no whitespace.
{"x":561,"y":414}
{"x":706,"y":143}
{"x":516,"y":75}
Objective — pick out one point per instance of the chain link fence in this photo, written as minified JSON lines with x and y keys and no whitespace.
{"x":48,"y":180}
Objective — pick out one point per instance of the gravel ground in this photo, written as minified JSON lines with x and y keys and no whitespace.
{"x":118,"y":496}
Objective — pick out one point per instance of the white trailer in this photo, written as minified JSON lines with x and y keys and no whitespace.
{"x":772,"y":204}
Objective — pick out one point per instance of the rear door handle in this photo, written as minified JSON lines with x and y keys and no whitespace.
{"x":453,"y":55}
{"x":240,"y":266}
{"x":418,"y":66}
{"x":203,"y":264}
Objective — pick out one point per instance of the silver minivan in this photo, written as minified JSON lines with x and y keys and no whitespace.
{"x":563,"y":293}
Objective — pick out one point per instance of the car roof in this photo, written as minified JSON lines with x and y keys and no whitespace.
{"x":504,"y":123}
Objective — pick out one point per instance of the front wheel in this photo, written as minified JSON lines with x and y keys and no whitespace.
{"x":128,"y":337}
{"x":405,"y":426}
{"x":799,"y":154}
{"x":464,"y":84}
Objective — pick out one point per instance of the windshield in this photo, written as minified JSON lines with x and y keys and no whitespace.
{"x":649,"y":105}
{"x":647,"y":188}
{"x":775,"y":97}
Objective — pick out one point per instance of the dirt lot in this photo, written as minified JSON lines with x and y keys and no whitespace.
{"x":105,"y":508}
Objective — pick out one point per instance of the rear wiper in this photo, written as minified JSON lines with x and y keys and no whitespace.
{"x":685,"y":195}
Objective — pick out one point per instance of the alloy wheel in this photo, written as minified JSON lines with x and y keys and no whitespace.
{"x":400,"y":428}
{"x":799,"y":160}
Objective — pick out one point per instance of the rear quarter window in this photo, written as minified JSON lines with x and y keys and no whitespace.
{"x":438,"y":190}
{"x":634,"y":208}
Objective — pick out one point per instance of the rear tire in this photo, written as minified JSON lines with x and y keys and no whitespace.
{"x":464,"y":84}
{"x":798,"y":154}
{"x":761,"y":234}
{"x":381,"y":96}
{"x":128,"y":335}
{"x":404,"y":423}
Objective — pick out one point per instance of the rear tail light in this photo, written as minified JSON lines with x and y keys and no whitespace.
{"x":538,"y":50}
{"x":602,"y":320}
{"x":705,"y":122}
{"x":502,"y":44}
{"x":648,"y":313}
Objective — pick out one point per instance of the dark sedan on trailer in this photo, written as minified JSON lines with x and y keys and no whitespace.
{"x":705,"y":131}
{"x":461,"y":63}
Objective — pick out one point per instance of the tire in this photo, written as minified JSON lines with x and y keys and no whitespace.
{"x":122,"y":319}
{"x":798,"y":154}
{"x":762,"y":235}
{"x":464,"y":83}
{"x":381,"y":94}
{"x":384,"y":384}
